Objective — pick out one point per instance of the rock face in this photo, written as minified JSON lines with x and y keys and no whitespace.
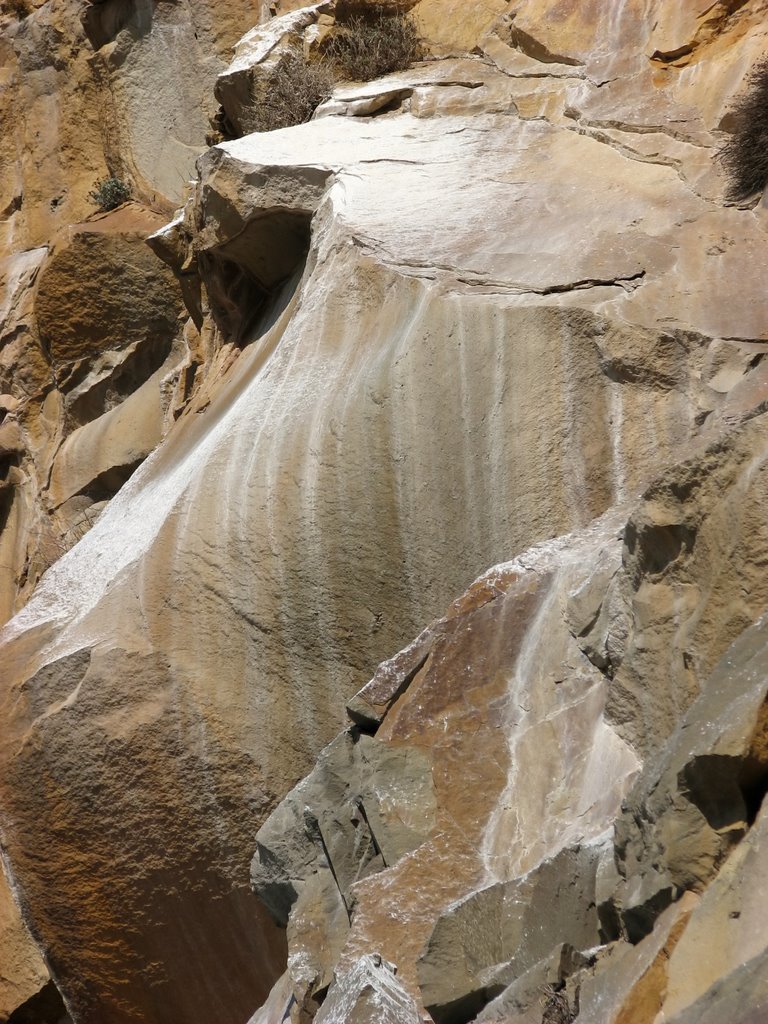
{"x":489,"y":311}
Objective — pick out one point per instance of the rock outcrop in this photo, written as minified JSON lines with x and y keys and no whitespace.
{"x":490,"y":311}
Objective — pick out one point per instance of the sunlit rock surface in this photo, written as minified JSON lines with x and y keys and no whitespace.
{"x":489,"y":311}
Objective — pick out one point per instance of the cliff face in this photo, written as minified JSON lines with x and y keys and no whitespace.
{"x":491,"y":319}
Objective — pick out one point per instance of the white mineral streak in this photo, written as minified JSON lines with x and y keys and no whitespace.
{"x":369,"y":993}
{"x":568,"y":769}
{"x":408,"y":160}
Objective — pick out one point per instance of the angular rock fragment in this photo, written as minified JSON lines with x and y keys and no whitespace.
{"x":363,"y":808}
{"x":529,"y":995}
{"x":495,"y":935}
{"x":629,"y":981}
{"x":368,"y":707}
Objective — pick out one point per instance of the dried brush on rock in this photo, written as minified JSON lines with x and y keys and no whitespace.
{"x":293,"y":92}
{"x":556,"y":1008}
{"x":20,"y":9}
{"x":745,"y":155}
{"x":362,"y":48}
{"x":367,"y":47}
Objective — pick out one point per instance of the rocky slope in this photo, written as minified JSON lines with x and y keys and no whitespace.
{"x":491,"y":319}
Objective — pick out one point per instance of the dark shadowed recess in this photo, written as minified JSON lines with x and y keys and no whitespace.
{"x":243,"y":276}
{"x":103,"y":19}
{"x":45,"y":1007}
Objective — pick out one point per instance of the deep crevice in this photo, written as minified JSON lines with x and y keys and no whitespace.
{"x":243,"y":275}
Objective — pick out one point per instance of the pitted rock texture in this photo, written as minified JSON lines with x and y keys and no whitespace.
{"x":490,"y":311}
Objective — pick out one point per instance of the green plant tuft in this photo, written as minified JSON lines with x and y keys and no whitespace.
{"x":745,"y":155}
{"x":110,"y":193}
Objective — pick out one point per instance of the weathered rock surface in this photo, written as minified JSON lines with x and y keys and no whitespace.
{"x":489,"y":311}
{"x":599,"y":865}
{"x":90,"y":90}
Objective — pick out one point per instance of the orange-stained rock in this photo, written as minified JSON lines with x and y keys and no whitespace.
{"x":101,"y":288}
{"x":629,"y":983}
{"x":455,"y":25}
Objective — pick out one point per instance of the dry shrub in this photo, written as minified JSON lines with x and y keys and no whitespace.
{"x":556,"y":1008}
{"x":18,"y":8}
{"x":745,"y":154}
{"x":293,"y":92}
{"x":369,"y":46}
{"x":364,"y":47}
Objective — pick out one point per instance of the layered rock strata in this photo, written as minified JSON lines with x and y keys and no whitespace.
{"x":490,"y":311}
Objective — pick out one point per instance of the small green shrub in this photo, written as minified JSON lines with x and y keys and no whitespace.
{"x":292,"y":93}
{"x":367,"y":47}
{"x":745,"y":155}
{"x":110,"y":193}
